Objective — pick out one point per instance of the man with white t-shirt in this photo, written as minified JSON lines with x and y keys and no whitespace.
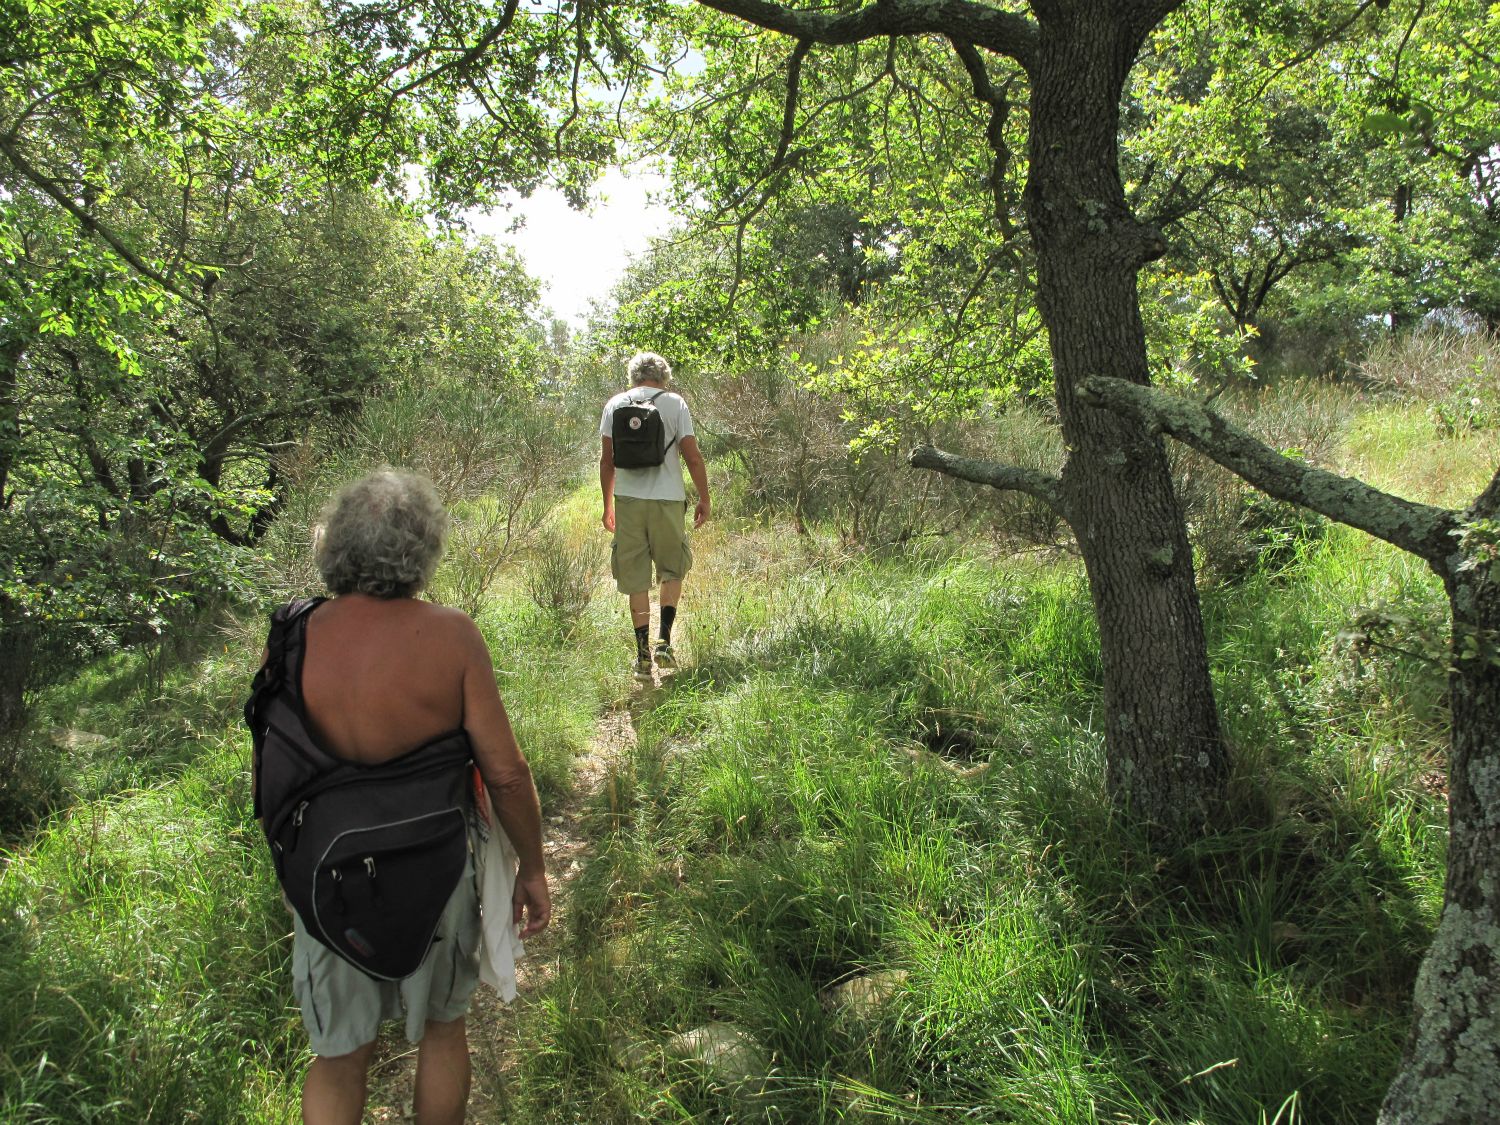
{"x":646,"y":508}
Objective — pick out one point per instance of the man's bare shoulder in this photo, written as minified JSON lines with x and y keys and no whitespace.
{"x":447,"y":618}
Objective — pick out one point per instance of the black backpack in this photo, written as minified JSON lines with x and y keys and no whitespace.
{"x":638,"y":434}
{"x":368,"y":855}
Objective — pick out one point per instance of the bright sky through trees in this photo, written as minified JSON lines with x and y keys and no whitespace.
{"x":579,"y":255}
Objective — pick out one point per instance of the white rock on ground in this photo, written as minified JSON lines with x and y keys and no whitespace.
{"x":862,"y":996}
{"x":727,"y":1053}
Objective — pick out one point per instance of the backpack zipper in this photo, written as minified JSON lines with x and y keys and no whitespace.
{"x":341,"y":775}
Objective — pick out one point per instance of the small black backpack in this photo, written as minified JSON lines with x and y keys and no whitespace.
{"x":638,"y":434}
{"x":368,"y":855}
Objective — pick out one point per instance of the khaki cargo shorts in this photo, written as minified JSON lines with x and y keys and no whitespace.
{"x":342,"y":1008}
{"x":647,"y":532}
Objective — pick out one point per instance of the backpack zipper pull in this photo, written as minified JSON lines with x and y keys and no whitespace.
{"x":297,"y":824}
{"x":370,"y":871}
{"x":338,"y":886}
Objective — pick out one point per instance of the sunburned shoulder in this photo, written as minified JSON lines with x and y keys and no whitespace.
{"x":454,"y":622}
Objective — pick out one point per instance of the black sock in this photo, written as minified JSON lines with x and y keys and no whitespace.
{"x":668,"y":615}
{"x":643,"y":642}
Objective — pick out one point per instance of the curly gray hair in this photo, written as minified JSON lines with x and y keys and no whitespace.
{"x":645,"y":366}
{"x":382,"y":535}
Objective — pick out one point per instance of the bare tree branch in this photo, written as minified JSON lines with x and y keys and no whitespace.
{"x":789,"y":111}
{"x":1005,"y":33}
{"x":999,"y":103}
{"x":1423,"y":530}
{"x":1010,"y":478}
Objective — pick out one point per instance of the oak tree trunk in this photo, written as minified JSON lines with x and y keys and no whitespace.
{"x":1166,"y":758}
{"x":1451,"y":1071}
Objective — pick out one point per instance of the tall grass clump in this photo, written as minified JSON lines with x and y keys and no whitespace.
{"x":1454,"y":374}
{"x":560,"y":578}
{"x":141,"y":950}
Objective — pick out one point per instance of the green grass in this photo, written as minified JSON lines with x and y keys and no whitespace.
{"x":141,"y":951}
{"x":865,"y":765}
{"x":785,"y":824}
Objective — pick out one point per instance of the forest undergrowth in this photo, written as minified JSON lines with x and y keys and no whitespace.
{"x":877,"y":768}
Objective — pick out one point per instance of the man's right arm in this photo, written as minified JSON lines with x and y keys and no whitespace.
{"x":607,"y":480}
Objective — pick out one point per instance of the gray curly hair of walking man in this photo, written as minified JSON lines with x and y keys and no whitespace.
{"x":648,"y":367}
{"x":382,"y":535}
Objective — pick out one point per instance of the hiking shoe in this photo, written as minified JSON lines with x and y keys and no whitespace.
{"x":642,"y":667}
{"x":665,"y":657}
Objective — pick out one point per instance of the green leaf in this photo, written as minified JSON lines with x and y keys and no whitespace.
{"x":1382,"y":123}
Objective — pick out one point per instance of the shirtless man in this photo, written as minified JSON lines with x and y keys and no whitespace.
{"x":383,"y":673}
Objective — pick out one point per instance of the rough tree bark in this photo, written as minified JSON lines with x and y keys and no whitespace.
{"x":1450,"y":1074}
{"x":1166,"y":760}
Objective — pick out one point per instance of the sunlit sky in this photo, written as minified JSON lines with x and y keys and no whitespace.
{"x":579,"y":255}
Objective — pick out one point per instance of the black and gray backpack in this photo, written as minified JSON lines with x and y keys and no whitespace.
{"x":368,"y":855}
{"x":638,"y":434}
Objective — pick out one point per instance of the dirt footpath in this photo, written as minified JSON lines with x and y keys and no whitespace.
{"x":492,"y":1023}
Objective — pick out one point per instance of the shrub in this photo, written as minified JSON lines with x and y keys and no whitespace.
{"x":560,"y":579}
{"x":804,"y":453}
{"x":498,"y":457}
{"x":1456,"y":374}
{"x":1233,"y":527}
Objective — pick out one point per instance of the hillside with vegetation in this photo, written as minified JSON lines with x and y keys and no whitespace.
{"x":1090,"y":674}
{"x":877,"y":763}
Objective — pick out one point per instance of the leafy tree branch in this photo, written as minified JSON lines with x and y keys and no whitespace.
{"x":1002,"y":32}
{"x":90,"y":222}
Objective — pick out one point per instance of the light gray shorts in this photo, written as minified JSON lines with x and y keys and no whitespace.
{"x":342,"y":1008}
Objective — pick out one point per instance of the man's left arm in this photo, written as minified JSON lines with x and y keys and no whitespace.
{"x":692,"y":457}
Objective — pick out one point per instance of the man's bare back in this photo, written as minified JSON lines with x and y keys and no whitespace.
{"x":381,"y":676}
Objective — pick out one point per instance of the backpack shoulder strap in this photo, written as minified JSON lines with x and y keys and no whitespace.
{"x":287,"y":634}
{"x":288,"y":630}
{"x":673,"y":442}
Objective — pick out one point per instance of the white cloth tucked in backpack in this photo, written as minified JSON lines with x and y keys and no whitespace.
{"x":495,"y":865}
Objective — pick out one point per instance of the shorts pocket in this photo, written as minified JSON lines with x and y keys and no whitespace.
{"x":304,"y":990}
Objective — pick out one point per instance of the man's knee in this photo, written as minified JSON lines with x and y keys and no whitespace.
{"x":357,"y":1059}
{"x":443,"y":1031}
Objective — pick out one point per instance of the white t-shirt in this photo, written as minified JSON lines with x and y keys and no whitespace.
{"x":664,"y":482}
